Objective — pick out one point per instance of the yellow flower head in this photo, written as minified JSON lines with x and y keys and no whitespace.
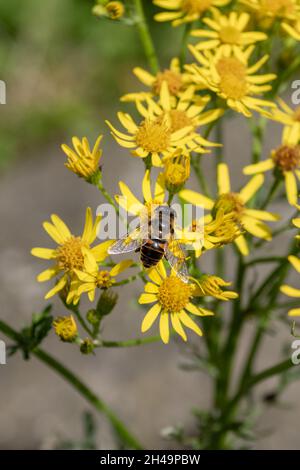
{"x":83,"y":161}
{"x":274,"y":9}
{"x":185,"y":11}
{"x":177,"y":171}
{"x":68,"y":256}
{"x":113,"y":10}
{"x":172,"y":300}
{"x":285,"y":160}
{"x":228,"y":74}
{"x":65,"y":328}
{"x":212,"y":286}
{"x":91,"y":278}
{"x":292,"y":291}
{"x":291,"y":120}
{"x":227,"y":33}
{"x":166,"y":126}
{"x":235,"y":203}
{"x":176,"y":80}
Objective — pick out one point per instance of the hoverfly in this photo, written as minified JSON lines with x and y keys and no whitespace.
{"x":154,"y":240}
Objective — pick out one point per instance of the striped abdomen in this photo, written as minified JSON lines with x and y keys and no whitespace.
{"x":152,"y":252}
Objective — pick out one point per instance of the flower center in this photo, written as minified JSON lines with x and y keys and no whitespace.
{"x":196,"y":6}
{"x":230,"y":203}
{"x":173,"y":79}
{"x":230,"y":35}
{"x":115,"y":10}
{"x":174,"y":294}
{"x":153,"y":136}
{"x":287,"y":158}
{"x":233,"y":77}
{"x":69,"y":255}
{"x":65,"y":328}
{"x":278,"y":7}
{"x":104,"y":280}
{"x":175,"y":174}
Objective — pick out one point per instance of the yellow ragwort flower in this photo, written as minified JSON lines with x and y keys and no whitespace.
{"x":176,"y":79}
{"x":172,"y":300}
{"x":210,"y":232}
{"x":65,"y":328}
{"x":285,"y":160}
{"x":212,"y":286}
{"x":83,"y":161}
{"x":68,"y":255}
{"x":274,"y":9}
{"x":113,"y":10}
{"x":291,"y":120}
{"x":157,"y":135}
{"x":185,"y":11}
{"x":228,"y":74}
{"x":177,"y":170}
{"x":227,"y":33}
{"x":292,"y":291}
{"x":92,"y":278}
{"x":236,"y":202}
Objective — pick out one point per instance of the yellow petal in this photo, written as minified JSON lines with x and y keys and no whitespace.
{"x":147,"y":298}
{"x":47,"y":274}
{"x":223,"y":179}
{"x":151,"y":288}
{"x":290,"y":291}
{"x":187,"y":321}
{"x":159,"y":190}
{"x":145,"y":77}
{"x":100,"y":251}
{"x":242,"y":245}
{"x":59,"y":286}
{"x":262,"y":215}
{"x":120,"y":267}
{"x":60,"y":226}
{"x":251,"y":188}
{"x":146,"y":187}
{"x":44,"y":253}
{"x":150,"y":317}
{"x":164,"y":327}
{"x":133,"y":204}
{"x":294,"y":312}
{"x":201,"y":312}
{"x":291,"y":187}
{"x":154,"y":275}
{"x":260,"y":167}
{"x":295,"y":262}
{"x":256,"y":228}
{"x":88,"y":226}
{"x":177,"y":326}
{"x":196,"y":199}
{"x":53,"y":232}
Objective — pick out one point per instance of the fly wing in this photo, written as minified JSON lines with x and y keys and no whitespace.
{"x":176,"y":256}
{"x":129,"y":243}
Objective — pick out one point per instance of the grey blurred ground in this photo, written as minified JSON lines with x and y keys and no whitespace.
{"x":144,"y":385}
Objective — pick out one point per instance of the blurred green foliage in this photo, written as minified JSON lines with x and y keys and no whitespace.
{"x":63,"y":68}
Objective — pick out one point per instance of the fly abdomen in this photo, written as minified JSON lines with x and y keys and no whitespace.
{"x":152,"y":252}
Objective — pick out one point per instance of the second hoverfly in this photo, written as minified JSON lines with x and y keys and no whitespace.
{"x":154,"y":240}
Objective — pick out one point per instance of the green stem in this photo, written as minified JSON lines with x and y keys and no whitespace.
{"x":129,"y":343}
{"x":107,"y":196}
{"x":145,"y":36}
{"x":183,"y":49}
{"x":276,"y":183}
{"x":195,"y":162}
{"x":121,"y":431}
{"x":268,"y":259}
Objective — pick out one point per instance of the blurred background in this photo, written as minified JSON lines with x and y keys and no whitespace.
{"x":65,"y":71}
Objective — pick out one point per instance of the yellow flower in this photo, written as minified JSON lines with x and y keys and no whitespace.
{"x":91,"y":278}
{"x":174,"y":77}
{"x":83,"y":161}
{"x":291,"y":120}
{"x":291,"y":291}
{"x":228,"y":75}
{"x":172,"y":298}
{"x":156,"y":135}
{"x":286,"y":160}
{"x":183,"y":114}
{"x":212,"y":286}
{"x":208,"y":233}
{"x":177,"y":171}
{"x":185,"y":11}
{"x":227,"y":33}
{"x":68,"y":255}
{"x":113,"y":10}
{"x":65,"y":328}
{"x":133,"y":206}
{"x":232,"y":202}
{"x":273,"y":9}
